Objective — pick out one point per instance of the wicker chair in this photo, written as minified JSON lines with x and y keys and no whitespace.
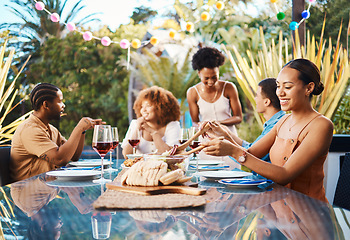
{"x":342,"y":192}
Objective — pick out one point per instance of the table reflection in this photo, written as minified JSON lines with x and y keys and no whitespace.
{"x":46,"y":208}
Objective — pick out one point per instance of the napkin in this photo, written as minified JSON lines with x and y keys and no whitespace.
{"x":210,"y":167}
{"x":245,"y":181}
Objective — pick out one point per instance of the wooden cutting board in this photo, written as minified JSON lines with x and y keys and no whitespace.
{"x":156,"y":189}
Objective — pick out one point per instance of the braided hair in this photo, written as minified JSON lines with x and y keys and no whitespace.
{"x":43,"y":92}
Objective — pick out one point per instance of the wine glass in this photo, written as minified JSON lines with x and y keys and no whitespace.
{"x":134,"y":140}
{"x":102,"y":144}
{"x":195,"y":143}
{"x":184,"y":135}
{"x":115,"y":140}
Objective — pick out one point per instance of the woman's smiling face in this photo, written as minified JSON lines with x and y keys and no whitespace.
{"x":291,"y":91}
{"x":209,"y":76}
{"x":148,"y":111}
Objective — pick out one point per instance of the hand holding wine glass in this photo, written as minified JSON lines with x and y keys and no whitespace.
{"x":102,"y":144}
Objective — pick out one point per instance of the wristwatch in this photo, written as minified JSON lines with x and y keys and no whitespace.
{"x":243,"y":157}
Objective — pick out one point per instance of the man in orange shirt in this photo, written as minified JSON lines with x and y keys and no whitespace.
{"x":37,"y":146}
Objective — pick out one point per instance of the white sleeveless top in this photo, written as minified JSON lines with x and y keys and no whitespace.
{"x":218,"y":110}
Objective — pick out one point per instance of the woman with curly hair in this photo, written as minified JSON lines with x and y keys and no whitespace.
{"x":158,"y":115}
{"x":213,"y":99}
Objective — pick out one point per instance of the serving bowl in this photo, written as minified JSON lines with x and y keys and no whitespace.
{"x":174,"y":162}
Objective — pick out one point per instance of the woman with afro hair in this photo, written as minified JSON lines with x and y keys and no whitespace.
{"x":213,"y":99}
{"x":158,"y":115}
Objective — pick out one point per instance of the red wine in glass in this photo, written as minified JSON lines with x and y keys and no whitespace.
{"x":194,"y":144}
{"x":134,"y":142}
{"x":183,"y":141}
{"x":102,"y":148}
{"x":115,"y":144}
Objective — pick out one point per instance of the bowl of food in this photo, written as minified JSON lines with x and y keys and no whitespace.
{"x":174,"y":162}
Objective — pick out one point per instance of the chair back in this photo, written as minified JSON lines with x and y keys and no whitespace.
{"x":342,"y":192}
{"x":5,"y":159}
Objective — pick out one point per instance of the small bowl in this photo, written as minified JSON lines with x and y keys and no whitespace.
{"x":174,"y":162}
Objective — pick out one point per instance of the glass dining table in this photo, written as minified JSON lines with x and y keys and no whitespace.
{"x":45,"y":207}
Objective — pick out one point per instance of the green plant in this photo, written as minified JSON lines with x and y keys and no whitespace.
{"x":7,"y":98}
{"x":341,"y":117}
{"x":334,"y":68}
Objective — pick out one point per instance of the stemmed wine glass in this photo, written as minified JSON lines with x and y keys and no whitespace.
{"x":115,"y":140}
{"x":102,"y":144}
{"x":195,"y":143}
{"x":184,"y":135}
{"x":134,"y":140}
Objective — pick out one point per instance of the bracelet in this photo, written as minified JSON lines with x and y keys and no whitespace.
{"x":83,"y":132}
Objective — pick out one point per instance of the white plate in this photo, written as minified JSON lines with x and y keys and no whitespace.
{"x":206,"y":162}
{"x":209,"y":168}
{"x":74,"y":174}
{"x":90,"y":163}
{"x":245,"y":183}
{"x":223,"y":174}
{"x":60,"y":183}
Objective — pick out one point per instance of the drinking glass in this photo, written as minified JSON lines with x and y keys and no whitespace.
{"x":101,"y":225}
{"x":184,"y":135}
{"x":102,"y":144}
{"x":115,"y":140}
{"x":134,"y":140}
{"x":195,"y":143}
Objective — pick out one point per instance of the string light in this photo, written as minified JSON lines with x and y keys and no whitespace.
{"x":136,"y":43}
{"x":293,"y":25}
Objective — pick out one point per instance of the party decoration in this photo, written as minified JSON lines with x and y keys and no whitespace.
{"x":106,"y":41}
{"x":189,"y":26}
{"x":281,"y":15}
{"x":172,"y":34}
{"x":293,"y":25}
{"x":136,"y":43}
{"x":87,"y":36}
{"x":55,"y":17}
{"x":219,"y":5}
{"x":124,"y":44}
{"x":205,"y":16}
{"x":305,"y":14}
{"x":154,"y":41}
{"x":71,"y":27}
{"x":39,"y":6}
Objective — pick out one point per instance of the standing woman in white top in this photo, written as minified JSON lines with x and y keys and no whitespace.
{"x":158,"y":115}
{"x":213,"y":99}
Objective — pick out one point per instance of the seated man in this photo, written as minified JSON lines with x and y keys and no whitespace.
{"x":268,"y":104}
{"x":37,"y":146}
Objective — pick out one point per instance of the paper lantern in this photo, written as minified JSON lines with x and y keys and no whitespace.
{"x":40,"y":6}
{"x":189,"y":26}
{"x":124,"y":44}
{"x":172,"y":33}
{"x":220,"y":5}
{"x":280,"y":16}
{"x":305,"y":14}
{"x":55,"y":17}
{"x":106,"y":41}
{"x":205,"y":16}
{"x":154,"y":41}
{"x":136,"y":43}
{"x":293,"y":25}
{"x":71,"y":26}
{"x":87,"y":36}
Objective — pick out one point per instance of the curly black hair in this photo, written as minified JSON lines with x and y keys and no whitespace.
{"x":207,"y":57}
